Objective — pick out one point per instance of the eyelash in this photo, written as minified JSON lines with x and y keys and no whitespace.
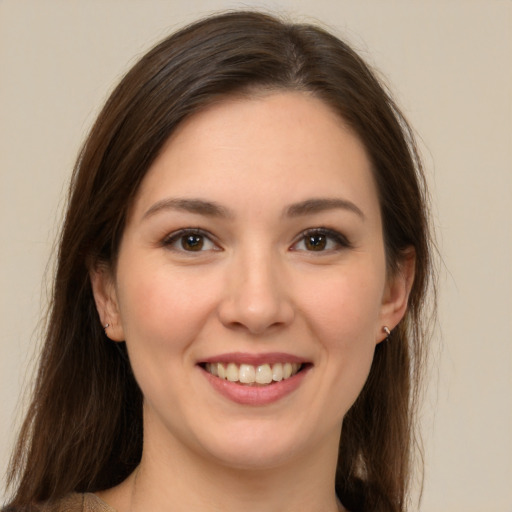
{"x":174,"y":238}
{"x":340,"y":240}
{"x":330,"y":235}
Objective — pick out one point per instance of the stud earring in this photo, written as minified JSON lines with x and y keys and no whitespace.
{"x":387,"y":331}
{"x":105,"y":327}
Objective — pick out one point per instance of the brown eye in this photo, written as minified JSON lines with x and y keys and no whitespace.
{"x":316,"y":242}
{"x":321,"y":240}
{"x":192,"y":242}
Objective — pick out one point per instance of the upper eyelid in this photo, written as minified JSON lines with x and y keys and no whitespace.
{"x":182,"y":231}
{"x":333,"y":233}
{"x":175,"y":235}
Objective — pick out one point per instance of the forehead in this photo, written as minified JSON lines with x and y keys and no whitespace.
{"x":280,"y":146}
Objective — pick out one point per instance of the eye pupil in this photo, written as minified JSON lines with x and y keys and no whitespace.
{"x":192,"y":242}
{"x":316,"y":242}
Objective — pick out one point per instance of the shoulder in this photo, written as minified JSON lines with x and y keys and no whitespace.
{"x":78,"y":502}
{"x":91,"y":503}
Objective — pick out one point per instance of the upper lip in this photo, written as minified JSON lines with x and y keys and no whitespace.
{"x":254,"y":359}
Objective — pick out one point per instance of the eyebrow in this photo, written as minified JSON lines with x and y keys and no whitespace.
{"x":198,"y":206}
{"x":311,"y":206}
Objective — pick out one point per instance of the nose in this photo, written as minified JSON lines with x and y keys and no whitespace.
{"x":257,"y":295}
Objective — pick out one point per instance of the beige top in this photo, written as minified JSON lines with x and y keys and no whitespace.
{"x":78,"y":502}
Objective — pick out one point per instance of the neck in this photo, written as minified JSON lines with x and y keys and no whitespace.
{"x":179,"y":480}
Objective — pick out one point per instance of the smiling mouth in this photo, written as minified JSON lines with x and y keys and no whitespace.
{"x":252,"y":375}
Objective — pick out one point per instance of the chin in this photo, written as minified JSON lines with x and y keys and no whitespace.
{"x":255,"y":458}
{"x":251,"y":448}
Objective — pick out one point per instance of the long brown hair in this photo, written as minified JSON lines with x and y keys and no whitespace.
{"x":83,"y":430}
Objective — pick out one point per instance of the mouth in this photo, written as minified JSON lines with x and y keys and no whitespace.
{"x":265,"y":374}
{"x":255,"y":379}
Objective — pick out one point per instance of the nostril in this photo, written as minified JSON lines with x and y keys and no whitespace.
{"x":255,"y":318}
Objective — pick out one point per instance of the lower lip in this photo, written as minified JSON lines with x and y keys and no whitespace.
{"x":256,"y":395}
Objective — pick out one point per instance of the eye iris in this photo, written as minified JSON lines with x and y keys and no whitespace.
{"x":316,"y":242}
{"x":192,"y":242}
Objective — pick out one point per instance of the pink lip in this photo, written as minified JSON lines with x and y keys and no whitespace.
{"x":256,"y":395}
{"x":254,"y":359}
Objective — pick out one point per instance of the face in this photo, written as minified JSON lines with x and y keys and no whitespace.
{"x":251,"y":284}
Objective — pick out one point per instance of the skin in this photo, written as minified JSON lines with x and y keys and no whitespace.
{"x":255,"y":287}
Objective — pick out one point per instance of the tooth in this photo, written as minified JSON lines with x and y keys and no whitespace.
{"x":247,"y":374}
{"x":221,"y":370}
{"x":263,"y":374}
{"x":277,"y":372}
{"x":232,"y":372}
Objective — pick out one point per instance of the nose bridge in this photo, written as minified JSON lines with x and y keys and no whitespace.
{"x":255,"y":294}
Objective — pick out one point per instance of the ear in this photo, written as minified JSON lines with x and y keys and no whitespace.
{"x":396,"y":294}
{"x":105,"y":296}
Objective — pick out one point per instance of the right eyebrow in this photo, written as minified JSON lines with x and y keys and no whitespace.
{"x":198,"y":206}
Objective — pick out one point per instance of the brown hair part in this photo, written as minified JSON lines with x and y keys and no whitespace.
{"x":83,"y":430}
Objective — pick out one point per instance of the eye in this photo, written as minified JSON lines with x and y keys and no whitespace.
{"x":190,"y":240}
{"x":320,"y":240}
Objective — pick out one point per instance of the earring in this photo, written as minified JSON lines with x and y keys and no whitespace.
{"x":387,"y":331}
{"x":105,"y":327}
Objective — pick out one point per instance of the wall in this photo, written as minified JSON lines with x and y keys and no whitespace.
{"x":449,"y":63}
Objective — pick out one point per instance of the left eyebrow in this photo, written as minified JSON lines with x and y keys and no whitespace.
{"x":311,"y":206}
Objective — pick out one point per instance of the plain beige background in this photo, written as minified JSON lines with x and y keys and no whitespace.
{"x":449,"y":64}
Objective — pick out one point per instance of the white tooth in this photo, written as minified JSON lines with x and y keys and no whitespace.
{"x":263,"y":374}
{"x":232,"y":372}
{"x":221,"y":371}
{"x":277,"y":372}
{"x":212,"y":368}
{"x":295,"y":368}
{"x":287,"y":370}
{"x":247,"y":374}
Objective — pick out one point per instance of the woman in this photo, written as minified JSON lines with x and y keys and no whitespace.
{"x":238,"y":310}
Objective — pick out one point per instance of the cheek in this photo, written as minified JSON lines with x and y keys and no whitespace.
{"x":344,"y":306}
{"x":162,"y":313}
{"x":161,"y":300}
{"x":343,"y":316}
